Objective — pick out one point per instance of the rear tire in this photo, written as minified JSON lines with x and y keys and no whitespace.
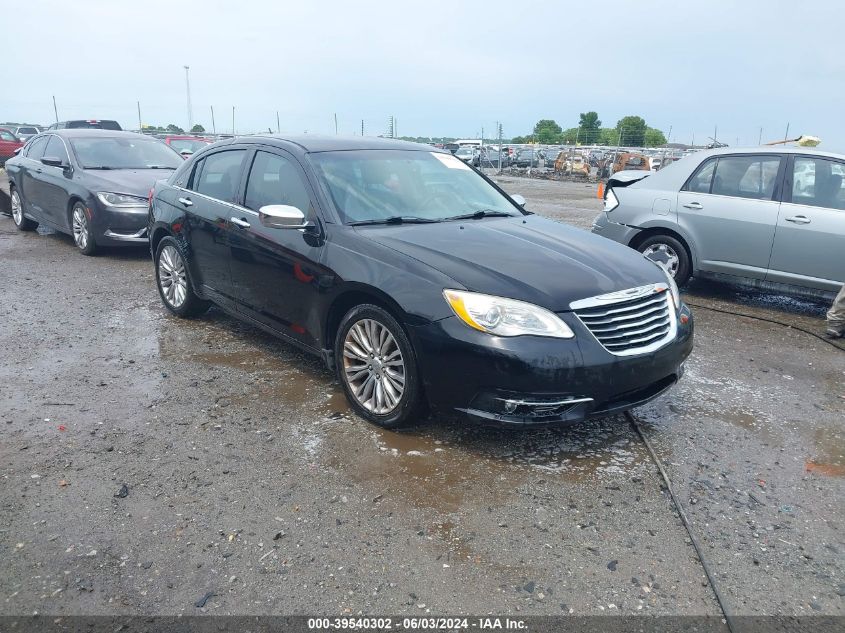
{"x":22,"y":222}
{"x":174,"y":281}
{"x":378,"y":367}
{"x":80,"y":225}
{"x":667,"y":250}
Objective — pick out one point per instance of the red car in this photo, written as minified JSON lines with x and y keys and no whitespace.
{"x":8,"y":144}
{"x":187,"y":145}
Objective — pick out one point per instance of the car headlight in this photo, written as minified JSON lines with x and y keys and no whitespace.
{"x":121,"y":201}
{"x":673,"y":287}
{"x":610,"y":201}
{"x":505,"y":317}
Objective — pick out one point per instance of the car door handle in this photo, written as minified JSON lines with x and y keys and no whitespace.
{"x":799,"y":219}
{"x":693,"y":205}
{"x":239,"y":222}
{"x":186,"y":202}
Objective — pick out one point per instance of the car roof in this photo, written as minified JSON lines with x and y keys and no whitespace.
{"x":314,"y":143}
{"x":767,"y":149}
{"x":95,"y":133}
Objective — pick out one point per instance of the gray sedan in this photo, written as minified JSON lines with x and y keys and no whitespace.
{"x":771,"y":217}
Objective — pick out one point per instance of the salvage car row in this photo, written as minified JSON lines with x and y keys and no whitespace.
{"x":412,"y":275}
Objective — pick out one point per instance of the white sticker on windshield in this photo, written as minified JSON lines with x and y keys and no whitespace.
{"x":450,"y":161}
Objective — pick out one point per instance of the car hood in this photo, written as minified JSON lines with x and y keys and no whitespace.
{"x":527,"y":258}
{"x":135,"y":182}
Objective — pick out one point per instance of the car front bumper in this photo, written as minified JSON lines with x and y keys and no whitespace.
{"x":117,"y":228}
{"x":621,"y":233}
{"x":538,"y":381}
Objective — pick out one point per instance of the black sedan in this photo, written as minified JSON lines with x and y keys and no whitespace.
{"x":527,"y":158}
{"x":417,"y":279}
{"x":91,"y":184}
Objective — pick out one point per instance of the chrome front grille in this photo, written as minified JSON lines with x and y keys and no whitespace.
{"x":632,"y":321}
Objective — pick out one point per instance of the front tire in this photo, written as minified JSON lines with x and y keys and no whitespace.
{"x":174,"y":281}
{"x":81,"y":227}
{"x":378,"y":367}
{"x":22,"y":222}
{"x":666,"y":250}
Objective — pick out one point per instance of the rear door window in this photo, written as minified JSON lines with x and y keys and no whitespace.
{"x":746,"y":177}
{"x":7,"y":136}
{"x":35,"y":150}
{"x":219,"y":175}
{"x":818,"y":182}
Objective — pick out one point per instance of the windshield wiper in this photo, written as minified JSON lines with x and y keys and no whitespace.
{"x":396,"y":219}
{"x":482,"y":213}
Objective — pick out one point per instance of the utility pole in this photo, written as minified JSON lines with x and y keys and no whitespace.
{"x":335,"y":123}
{"x":233,"y":120}
{"x":760,"y":138}
{"x":188,"y":91}
{"x":278,"y":125}
{"x":213,"y":126}
{"x":362,"y":127}
{"x":140,"y":125}
{"x":55,"y":109}
{"x":499,"y":131}
{"x":786,"y":134}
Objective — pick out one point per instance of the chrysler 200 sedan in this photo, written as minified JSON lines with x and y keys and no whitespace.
{"x":764,"y":216}
{"x":92,"y":184}
{"x":417,"y":279}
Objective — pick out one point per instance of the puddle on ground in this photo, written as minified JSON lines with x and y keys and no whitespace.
{"x":443,"y":465}
{"x":829,"y":456}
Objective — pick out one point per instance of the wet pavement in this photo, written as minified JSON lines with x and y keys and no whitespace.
{"x":248,"y":476}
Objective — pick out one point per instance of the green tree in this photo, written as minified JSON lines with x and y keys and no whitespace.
{"x":174,"y":129}
{"x":588,"y":126}
{"x":197,"y":129}
{"x":632,"y":131}
{"x":547,"y":131}
{"x":654,"y":137}
{"x":570,"y":135}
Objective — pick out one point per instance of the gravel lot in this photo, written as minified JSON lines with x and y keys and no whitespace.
{"x":148,"y":461}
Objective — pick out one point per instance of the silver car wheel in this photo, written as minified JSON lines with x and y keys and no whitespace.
{"x":373,"y":366}
{"x":665,"y":255}
{"x":171,"y":276}
{"x":17,"y":209}
{"x":80,"y":228}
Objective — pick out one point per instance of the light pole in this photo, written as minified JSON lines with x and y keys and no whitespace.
{"x":188,"y":90}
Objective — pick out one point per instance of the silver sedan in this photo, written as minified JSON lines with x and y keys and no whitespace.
{"x":771,"y":217}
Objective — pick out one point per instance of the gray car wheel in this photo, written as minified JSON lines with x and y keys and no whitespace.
{"x":21,"y":221}
{"x":668,"y":251}
{"x":81,"y":227}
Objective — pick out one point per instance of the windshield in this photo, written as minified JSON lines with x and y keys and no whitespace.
{"x":182,"y":144}
{"x":27,"y":130}
{"x":374,"y":185}
{"x":124,"y":153}
{"x":464,"y":151}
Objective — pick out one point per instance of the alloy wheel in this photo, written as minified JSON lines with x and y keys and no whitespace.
{"x":665,"y":255}
{"x":171,"y":276}
{"x":80,"y":228}
{"x":373,"y":366}
{"x":17,"y":208}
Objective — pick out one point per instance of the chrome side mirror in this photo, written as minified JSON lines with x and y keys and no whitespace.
{"x":518,"y":199}
{"x":282,"y":216}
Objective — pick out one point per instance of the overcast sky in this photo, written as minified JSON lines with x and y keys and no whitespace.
{"x":440,"y":67}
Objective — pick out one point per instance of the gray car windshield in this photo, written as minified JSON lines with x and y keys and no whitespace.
{"x":379,"y":185}
{"x":124,"y":153}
